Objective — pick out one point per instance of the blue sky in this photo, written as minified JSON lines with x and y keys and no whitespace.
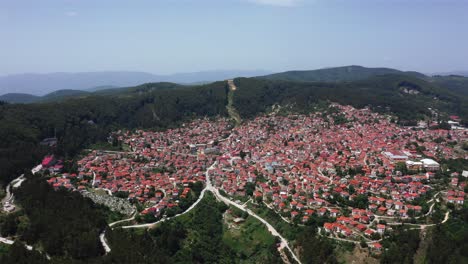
{"x":168,"y":36}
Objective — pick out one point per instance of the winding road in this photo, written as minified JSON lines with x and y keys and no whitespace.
{"x":9,"y":199}
{"x":218,"y":196}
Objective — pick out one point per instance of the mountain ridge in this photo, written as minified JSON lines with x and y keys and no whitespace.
{"x":337,"y":74}
{"x":41,"y":84}
{"x":352,"y":73}
{"x":21,"y":98}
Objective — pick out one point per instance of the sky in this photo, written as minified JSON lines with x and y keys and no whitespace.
{"x":170,"y":36}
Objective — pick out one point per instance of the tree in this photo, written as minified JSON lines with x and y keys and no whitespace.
{"x":401,"y":166}
{"x":242,"y":154}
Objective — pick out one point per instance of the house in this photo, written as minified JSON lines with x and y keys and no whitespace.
{"x":48,"y":161}
{"x":380,"y":229}
{"x":376,"y":246}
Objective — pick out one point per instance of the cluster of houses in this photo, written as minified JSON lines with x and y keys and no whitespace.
{"x":159,"y":169}
{"x":302,"y":166}
{"x":52,"y":164}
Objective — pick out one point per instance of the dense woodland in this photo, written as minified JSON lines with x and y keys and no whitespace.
{"x":381,"y":93}
{"x":455,"y":83}
{"x":62,"y":222}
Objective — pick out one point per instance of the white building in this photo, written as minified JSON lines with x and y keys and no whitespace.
{"x":396,"y":157}
{"x":430,"y":164}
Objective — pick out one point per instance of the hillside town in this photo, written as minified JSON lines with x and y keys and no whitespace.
{"x":355,"y":169}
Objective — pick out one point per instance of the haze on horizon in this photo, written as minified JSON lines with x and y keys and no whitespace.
{"x":169,"y":36}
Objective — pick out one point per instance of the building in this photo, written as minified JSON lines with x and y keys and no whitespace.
{"x":394,"y":157}
{"x":430,"y":164}
{"x":414,"y":165}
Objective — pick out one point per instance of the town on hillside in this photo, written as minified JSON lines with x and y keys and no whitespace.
{"x":354,"y":171}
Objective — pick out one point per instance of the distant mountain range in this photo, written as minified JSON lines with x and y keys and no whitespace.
{"x":459,"y":73}
{"x":112,"y":82}
{"x":42,"y":84}
{"x":23,"y":98}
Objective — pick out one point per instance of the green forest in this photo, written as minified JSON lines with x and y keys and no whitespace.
{"x":381,"y":93}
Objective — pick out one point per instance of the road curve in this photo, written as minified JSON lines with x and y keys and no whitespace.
{"x":123,"y":220}
{"x":102,"y":238}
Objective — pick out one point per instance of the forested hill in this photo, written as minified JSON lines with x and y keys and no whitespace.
{"x":61,"y":95}
{"x":406,"y":96}
{"x":20,"y":98}
{"x":456,"y":83}
{"x":337,"y":74}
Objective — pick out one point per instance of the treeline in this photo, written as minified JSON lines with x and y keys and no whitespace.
{"x":83,"y":121}
{"x":383,"y":93}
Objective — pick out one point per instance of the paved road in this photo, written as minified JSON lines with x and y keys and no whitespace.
{"x":124,"y":220}
{"x":102,"y":238}
{"x":9,"y":199}
{"x":10,"y":242}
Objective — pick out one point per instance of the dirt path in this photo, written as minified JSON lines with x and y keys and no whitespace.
{"x":230,"y":106}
